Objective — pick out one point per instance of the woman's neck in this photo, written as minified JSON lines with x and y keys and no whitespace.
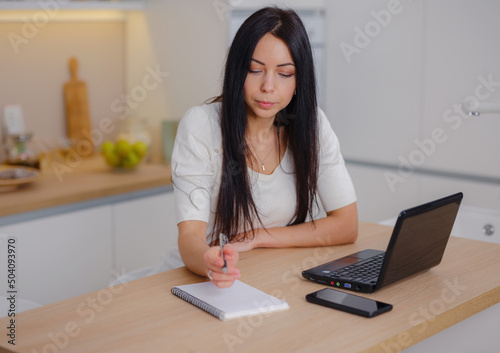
{"x":259,"y":129}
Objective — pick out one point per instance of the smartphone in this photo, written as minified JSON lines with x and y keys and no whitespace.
{"x":350,"y":303}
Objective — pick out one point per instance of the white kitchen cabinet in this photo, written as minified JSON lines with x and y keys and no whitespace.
{"x":144,"y":229}
{"x":476,"y":193}
{"x":375,"y":198}
{"x":70,"y":253}
{"x":397,"y":74}
{"x":61,"y":256}
{"x":378,"y":201}
{"x":467,"y":69}
{"x":373,"y":72}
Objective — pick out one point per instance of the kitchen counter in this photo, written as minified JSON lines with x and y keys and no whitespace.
{"x":86,"y":180}
{"x":123,"y":221}
{"x":142,"y":315}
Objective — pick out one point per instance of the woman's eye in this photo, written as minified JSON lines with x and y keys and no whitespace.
{"x":254,"y":71}
{"x":286,"y":75}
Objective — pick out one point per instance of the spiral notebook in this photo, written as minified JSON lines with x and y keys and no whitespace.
{"x":228,"y":303}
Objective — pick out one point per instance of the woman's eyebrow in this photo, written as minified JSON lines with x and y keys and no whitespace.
{"x":280,"y":65}
{"x":258,"y":62}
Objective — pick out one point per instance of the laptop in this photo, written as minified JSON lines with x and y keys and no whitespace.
{"x":417,"y":243}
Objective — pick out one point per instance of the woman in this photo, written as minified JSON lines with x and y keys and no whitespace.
{"x":252,"y":163}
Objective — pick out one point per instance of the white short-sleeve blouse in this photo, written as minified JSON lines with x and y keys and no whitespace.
{"x":197,"y":167}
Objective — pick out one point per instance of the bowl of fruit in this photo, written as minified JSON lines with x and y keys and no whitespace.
{"x":122,"y":154}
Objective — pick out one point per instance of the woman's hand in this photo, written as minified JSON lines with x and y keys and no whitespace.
{"x":214,"y":263}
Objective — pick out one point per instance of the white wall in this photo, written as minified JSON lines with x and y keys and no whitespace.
{"x":34,"y":69}
{"x":186,"y":40}
{"x":396,"y":71}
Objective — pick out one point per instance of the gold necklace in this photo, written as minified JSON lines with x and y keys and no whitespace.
{"x":262,"y":160}
{"x":257,"y":155}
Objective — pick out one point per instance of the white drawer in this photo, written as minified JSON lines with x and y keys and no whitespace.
{"x":478,"y":223}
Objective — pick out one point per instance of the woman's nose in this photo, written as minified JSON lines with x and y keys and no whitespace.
{"x":268,"y":83}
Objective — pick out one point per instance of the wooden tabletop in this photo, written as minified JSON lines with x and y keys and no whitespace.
{"x":80,"y":180}
{"x":143,"y":316}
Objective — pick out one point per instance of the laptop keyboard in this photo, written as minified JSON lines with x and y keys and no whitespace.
{"x":366,"y":271}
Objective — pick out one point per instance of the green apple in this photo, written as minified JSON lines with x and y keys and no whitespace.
{"x":111,"y":158}
{"x":131,"y":160}
{"x":107,"y":147}
{"x":123,"y":148}
{"x":141,"y":148}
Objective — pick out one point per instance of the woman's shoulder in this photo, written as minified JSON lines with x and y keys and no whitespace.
{"x":206,"y":113}
{"x":201,"y":123}
{"x":322,"y":118}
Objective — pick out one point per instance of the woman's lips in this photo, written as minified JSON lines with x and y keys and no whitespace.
{"x":265,"y":104}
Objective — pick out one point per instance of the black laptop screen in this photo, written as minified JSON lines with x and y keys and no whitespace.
{"x":420,"y":244}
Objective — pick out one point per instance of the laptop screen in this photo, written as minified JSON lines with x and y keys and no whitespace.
{"x":419,"y":239}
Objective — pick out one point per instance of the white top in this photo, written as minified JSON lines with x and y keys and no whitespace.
{"x":197,"y":164}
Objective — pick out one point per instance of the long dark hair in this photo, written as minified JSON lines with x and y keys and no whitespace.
{"x":236,"y":210}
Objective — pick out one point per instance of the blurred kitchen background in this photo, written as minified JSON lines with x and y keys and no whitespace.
{"x":392,"y":77}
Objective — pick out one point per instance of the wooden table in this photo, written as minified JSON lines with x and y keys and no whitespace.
{"x":143,"y":316}
{"x":81,"y":180}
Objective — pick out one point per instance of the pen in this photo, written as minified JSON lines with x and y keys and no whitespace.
{"x":223,"y":241}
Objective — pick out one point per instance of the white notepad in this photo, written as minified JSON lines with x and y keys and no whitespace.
{"x":228,"y":303}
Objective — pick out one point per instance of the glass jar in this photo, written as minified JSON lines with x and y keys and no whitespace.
{"x":21,"y":151}
{"x":130,"y":146}
{"x":133,"y":129}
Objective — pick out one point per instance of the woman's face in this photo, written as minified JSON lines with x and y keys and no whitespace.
{"x":270,"y":82}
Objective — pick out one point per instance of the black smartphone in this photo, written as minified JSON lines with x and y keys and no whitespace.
{"x":350,"y":303}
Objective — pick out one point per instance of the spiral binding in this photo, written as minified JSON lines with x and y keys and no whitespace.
{"x":199,"y":303}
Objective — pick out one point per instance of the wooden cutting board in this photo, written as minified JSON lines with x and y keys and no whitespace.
{"x":78,"y":125}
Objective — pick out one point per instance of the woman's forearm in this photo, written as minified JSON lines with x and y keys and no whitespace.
{"x":338,"y":227}
{"x":192,"y":245}
{"x":192,"y":250}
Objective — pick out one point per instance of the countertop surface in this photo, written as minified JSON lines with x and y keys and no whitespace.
{"x":83,"y":180}
{"x":143,"y":316}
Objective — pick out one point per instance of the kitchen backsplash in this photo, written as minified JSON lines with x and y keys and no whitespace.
{"x":34,"y":68}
